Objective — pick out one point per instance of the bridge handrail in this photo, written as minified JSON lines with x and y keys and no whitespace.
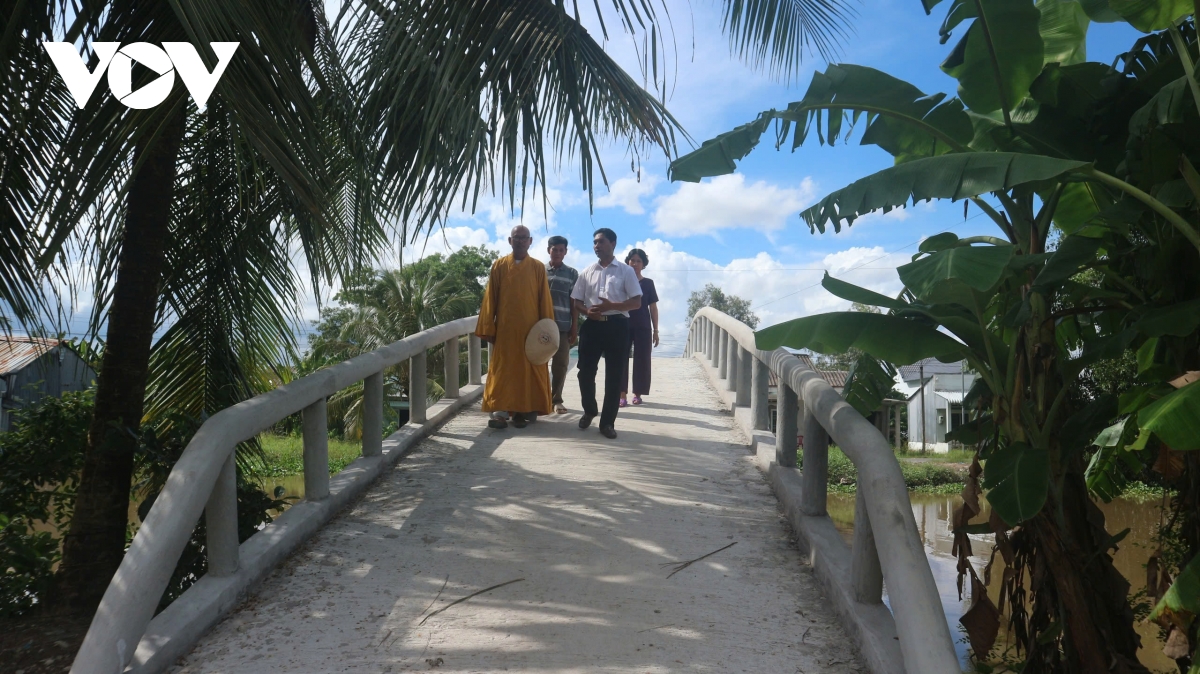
{"x":886,"y":543}
{"x":205,"y":478}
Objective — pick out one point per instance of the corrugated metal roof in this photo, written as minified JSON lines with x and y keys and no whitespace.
{"x":951,"y":396}
{"x":16,"y":353}
{"x":932,"y":366}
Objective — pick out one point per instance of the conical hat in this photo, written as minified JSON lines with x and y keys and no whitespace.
{"x":542,"y":342}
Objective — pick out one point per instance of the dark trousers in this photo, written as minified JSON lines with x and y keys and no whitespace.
{"x":610,"y":339}
{"x":642,"y":342}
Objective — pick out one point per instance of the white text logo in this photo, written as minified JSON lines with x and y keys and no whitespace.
{"x":118,"y":61}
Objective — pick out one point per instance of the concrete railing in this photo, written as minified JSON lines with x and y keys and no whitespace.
{"x":886,"y":547}
{"x":204,"y":480}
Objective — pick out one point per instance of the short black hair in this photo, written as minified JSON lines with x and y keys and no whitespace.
{"x":608,"y":234}
{"x":640,"y":253}
{"x":555,"y":240}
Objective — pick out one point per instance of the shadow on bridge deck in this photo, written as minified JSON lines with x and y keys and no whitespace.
{"x":586,"y":522}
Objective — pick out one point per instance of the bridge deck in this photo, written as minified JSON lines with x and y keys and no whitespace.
{"x":586,"y":522}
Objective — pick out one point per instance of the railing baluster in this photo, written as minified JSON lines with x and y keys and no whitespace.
{"x":760,"y":392}
{"x":714,"y":349}
{"x":731,"y":371}
{"x":316,"y":451}
{"x":745,"y":376}
{"x":450,"y":355}
{"x":814,"y":481}
{"x":417,"y":397}
{"x":372,"y":415}
{"x":474,"y":361}
{"x":723,"y":355}
{"x":865,"y":571}
{"x":220,"y":521}
{"x":785,"y":426}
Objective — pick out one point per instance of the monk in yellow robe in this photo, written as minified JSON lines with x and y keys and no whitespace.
{"x":517,"y":297}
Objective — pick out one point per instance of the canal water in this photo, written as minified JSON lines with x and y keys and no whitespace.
{"x":933,"y":514}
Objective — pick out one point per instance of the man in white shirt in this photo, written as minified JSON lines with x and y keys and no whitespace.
{"x":605,"y":293}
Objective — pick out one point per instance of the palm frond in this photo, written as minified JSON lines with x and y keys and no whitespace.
{"x":775,"y":34}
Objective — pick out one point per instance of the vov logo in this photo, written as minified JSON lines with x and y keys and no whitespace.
{"x":173,"y":57}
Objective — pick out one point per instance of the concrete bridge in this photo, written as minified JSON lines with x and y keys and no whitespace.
{"x":456,"y":547}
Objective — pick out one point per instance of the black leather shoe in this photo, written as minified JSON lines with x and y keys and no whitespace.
{"x":608,"y":432}
{"x":519,"y":420}
{"x":497,"y":423}
{"x":586,"y":419}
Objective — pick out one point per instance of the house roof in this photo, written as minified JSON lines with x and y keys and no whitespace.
{"x":835,"y":378}
{"x":16,"y":353}
{"x":932,"y":366}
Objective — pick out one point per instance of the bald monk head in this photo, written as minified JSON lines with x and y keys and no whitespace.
{"x":520,"y":241}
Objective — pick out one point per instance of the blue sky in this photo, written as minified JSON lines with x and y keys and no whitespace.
{"x":743,"y":232}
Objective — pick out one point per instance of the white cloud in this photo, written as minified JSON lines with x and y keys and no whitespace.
{"x":627,"y":193}
{"x":727,"y":202}
{"x":779,"y":289}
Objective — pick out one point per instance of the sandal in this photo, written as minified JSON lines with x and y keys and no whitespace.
{"x":637,"y":400}
{"x":497,"y":423}
{"x":560,"y":409}
{"x":622,"y":403}
{"x":518,"y":420}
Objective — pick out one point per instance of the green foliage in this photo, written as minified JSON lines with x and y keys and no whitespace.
{"x":40,"y":460}
{"x":713,"y":296}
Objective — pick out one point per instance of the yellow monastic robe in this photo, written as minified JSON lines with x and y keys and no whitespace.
{"x":517,"y":296}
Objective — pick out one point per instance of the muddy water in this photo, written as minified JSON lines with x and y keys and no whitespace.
{"x":933,"y":521}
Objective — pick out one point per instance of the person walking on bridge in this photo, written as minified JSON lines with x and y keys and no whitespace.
{"x":643,"y":331}
{"x":517,"y":296}
{"x":562,"y":281}
{"x":605,"y":293}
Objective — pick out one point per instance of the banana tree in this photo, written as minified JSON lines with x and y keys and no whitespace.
{"x":1085,"y":171}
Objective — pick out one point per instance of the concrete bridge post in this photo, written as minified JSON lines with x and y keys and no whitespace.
{"x":745,"y":376}
{"x":714,"y":347}
{"x":221,"y":522}
{"x":722,"y":354}
{"x":316,"y":451}
{"x":865,"y":572}
{"x":814,"y":479}
{"x":372,"y":415}
{"x":760,"y":403}
{"x":785,"y":426}
{"x":416,"y":388}
{"x":474,"y":361}
{"x":731,"y":372}
{"x":450,"y":353}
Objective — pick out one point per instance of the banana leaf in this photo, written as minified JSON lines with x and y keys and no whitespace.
{"x":1018,"y":478}
{"x":952,"y":176}
{"x":900,"y":118}
{"x":1000,"y":54}
{"x":950,"y":275}
{"x":1175,"y":418}
{"x":896,"y":340}
{"x":1063,"y":26}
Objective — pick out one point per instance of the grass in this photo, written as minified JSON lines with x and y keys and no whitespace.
{"x":929,"y":478}
{"x":953,"y":456}
{"x":284,"y":454}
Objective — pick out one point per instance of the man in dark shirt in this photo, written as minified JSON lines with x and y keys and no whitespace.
{"x":562,"y":280}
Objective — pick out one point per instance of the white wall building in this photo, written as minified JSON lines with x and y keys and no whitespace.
{"x":935,"y":394}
